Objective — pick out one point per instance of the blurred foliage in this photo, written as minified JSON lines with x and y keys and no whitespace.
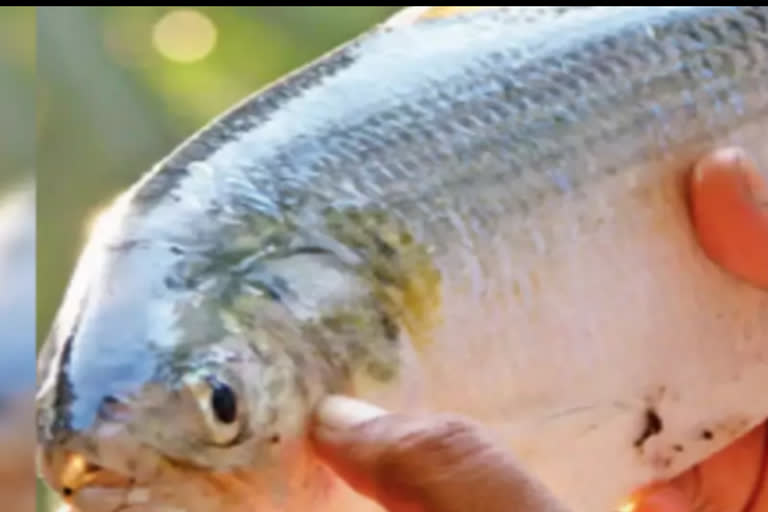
{"x":17,"y":104}
{"x":17,"y":255}
{"x":109,"y":104}
{"x":17,"y":219}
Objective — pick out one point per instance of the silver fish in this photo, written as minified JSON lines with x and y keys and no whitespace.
{"x":476,"y":214}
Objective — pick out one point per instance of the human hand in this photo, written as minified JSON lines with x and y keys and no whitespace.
{"x":447,"y":464}
{"x":430,"y":464}
{"x":733,"y":480}
{"x":729,"y":207}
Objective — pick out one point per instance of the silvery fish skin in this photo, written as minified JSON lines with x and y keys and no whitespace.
{"x":472,"y":214}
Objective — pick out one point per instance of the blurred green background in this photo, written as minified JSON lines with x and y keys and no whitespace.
{"x":119,"y":87}
{"x":17,"y":95}
{"x":17,"y":257}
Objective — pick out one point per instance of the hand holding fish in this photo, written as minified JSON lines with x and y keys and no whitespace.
{"x":733,"y":480}
{"x":725,"y":183}
{"x":434,"y":464}
{"x":442,"y":464}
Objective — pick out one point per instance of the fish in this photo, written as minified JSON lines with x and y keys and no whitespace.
{"x":482,"y":214}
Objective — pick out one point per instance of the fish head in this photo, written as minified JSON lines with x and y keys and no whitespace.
{"x":191,"y":389}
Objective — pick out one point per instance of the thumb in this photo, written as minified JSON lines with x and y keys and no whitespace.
{"x":729,"y":202}
{"x":433,"y":464}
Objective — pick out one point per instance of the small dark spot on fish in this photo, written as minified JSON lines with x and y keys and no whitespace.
{"x":653,"y":426}
{"x":274,"y":439}
{"x":391,"y":329}
{"x":707,"y":435}
{"x":678,"y":448}
{"x":386,"y":250}
{"x":67,"y":491}
{"x":176,"y":250}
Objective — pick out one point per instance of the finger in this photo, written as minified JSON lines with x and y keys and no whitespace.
{"x":436,"y":464}
{"x":731,"y":480}
{"x":729,"y":201}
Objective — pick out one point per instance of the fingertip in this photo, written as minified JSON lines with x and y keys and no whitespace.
{"x":729,"y":201}
{"x":335,"y":413}
{"x":730,"y":160}
{"x":339,"y":438}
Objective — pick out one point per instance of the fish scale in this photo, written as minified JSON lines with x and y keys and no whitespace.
{"x":480,"y":214}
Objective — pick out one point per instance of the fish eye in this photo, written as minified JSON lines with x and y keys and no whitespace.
{"x":217,"y":402}
{"x":223,"y":402}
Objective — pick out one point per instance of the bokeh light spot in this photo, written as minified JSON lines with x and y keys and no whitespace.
{"x":184,"y":36}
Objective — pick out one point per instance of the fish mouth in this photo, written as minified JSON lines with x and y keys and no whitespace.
{"x":84,"y":485}
{"x":87,"y":486}
{"x":102,"y":490}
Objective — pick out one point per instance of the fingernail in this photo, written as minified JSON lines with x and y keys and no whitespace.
{"x":728,"y":159}
{"x":341,"y":413}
